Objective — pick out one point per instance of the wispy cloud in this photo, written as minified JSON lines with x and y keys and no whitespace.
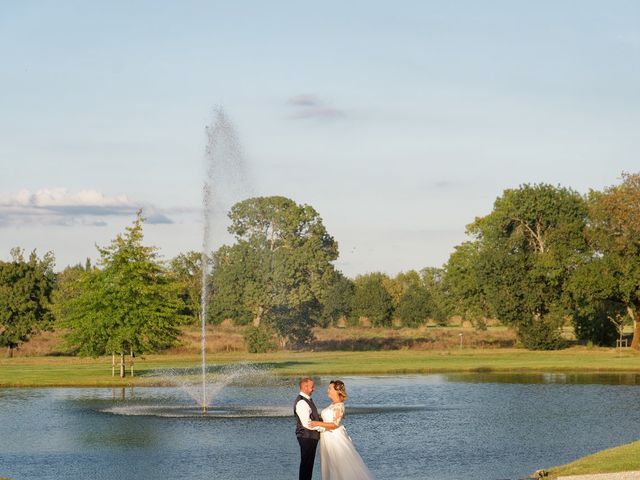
{"x":311,"y":107}
{"x":628,"y":38}
{"x":57,"y":206}
{"x":442,"y":184}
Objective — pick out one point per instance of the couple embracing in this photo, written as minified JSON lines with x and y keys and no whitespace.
{"x":338,"y":457}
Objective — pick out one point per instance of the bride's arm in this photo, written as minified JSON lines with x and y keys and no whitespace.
{"x":338,"y":413}
{"x":326,"y":425}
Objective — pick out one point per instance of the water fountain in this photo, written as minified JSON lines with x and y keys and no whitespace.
{"x":225,"y":181}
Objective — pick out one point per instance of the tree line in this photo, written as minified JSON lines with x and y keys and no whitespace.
{"x":544,"y":256}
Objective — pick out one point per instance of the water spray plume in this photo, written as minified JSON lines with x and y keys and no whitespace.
{"x":224,"y":170}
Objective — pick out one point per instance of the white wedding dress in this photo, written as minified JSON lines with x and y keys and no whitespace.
{"x":338,"y":457}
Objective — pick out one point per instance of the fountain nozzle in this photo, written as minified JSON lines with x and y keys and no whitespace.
{"x":204,"y":408}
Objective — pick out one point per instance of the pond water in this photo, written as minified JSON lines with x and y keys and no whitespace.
{"x":475,"y":426}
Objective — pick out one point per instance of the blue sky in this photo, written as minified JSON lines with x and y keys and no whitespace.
{"x":400,"y":122}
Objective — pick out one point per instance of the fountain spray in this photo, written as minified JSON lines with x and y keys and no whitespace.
{"x":204,"y":259}
{"x":225,"y":166}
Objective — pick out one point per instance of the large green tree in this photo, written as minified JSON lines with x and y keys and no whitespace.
{"x":528,"y":247}
{"x":25,"y":296}
{"x":279,"y":269}
{"x":614,"y":233}
{"x":128,"y":306}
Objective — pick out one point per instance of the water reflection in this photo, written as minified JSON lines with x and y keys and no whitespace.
{"x":570,"y":378}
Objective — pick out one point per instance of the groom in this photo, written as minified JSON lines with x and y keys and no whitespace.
{"x":305,"y":410}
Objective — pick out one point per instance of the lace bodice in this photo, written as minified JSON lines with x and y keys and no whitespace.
{"x":334,"y":413}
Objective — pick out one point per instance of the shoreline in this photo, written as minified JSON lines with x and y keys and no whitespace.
{"x":88,"y":372}
{"x":619,"y":459}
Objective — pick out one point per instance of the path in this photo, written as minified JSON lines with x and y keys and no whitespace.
{"x":605,"y":476}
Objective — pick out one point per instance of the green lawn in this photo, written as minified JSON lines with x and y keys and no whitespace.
{"x":71,"y":371}
{"x":619,"y":459}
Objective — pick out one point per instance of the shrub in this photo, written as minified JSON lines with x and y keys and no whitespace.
{"x":259,"y":339}
{"x":593,"y":325}
{"x":542,"y":334}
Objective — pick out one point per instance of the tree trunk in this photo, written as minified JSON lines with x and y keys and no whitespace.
{"x":258,"y":317}
{"x":632,"y":310}
{"x":121,"y":365}
{"x":113,"y":364}
{"x":132,"y":357}
{"x":10,"y":351}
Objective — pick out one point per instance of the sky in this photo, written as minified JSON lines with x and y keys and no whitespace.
{"x":399,"y":122}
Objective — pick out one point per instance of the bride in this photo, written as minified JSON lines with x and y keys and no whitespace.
{"x":338,"y":457}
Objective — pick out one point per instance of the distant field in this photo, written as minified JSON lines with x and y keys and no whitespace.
{"x":228,"y":338}
{"x":72,"y":371}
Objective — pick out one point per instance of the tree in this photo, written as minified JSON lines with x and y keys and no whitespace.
{"x":529,"y":245}
{"x":238,"y":276}
{"x":338,"y":300}
{"x":279,"y":269}
{"x":186,"y":273}
{"x":128,"y":306}
{"x":25,"y":297}
{"x":372,"y":300}
{"x":69,"y":284}
{"x":414,"y":306}
{"x":590,"y":292}
{"x":614,"y":233}
{"x":466,"y":294}
{"x":398,"y":285}
{"x":433,"y":281}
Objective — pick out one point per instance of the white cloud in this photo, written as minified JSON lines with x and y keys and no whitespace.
{"x":57,"y":206}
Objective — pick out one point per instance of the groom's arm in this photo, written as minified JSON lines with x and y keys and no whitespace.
{"x":303,"y":410}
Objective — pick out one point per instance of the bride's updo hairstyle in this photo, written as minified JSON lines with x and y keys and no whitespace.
{"x":338,"y":386}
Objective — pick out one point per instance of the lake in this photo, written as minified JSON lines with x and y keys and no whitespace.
{"x":475,"y":426}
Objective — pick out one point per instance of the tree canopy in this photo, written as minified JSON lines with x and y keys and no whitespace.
{"x":185,"y":271}
{"x":528,"y":246}
{"x":372,"y":300}
{"x":25,"y":295}
{"x":614,"y":234}
{"x":279,"y":269}
{"x":127,"y":305}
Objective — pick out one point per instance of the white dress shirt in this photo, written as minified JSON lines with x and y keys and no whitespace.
{"x":303,"y":410}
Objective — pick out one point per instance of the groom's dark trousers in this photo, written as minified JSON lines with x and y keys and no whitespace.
{"x":307,"y":457}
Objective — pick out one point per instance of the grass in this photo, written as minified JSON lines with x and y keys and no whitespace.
{"x":619,"y":459}
{"x":73,"y":371}
{"x":335,"y":351}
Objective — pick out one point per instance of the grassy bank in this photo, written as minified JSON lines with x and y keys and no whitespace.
{"x":72,"y":371}
{"x":619,"y":459}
